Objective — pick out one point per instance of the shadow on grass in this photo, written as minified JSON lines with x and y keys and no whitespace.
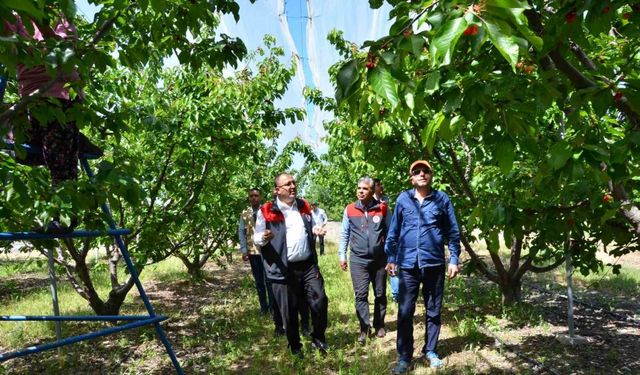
{"x":605,"y":353}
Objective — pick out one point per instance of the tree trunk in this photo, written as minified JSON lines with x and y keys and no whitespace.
{"x":511,"y":291}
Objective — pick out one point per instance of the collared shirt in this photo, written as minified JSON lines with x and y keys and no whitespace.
{"x":319,"y":217}
{"x":419,"y":230}
{"x":382,"y":198}
{"x":246,"y":230}
{"x":297,"y":246}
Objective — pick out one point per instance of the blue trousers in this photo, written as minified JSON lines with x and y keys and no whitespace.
{"x":393,"y":280}
{"x":432,"y":280}
{"x":257,"y":268}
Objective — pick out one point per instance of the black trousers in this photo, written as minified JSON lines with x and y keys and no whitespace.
{"x":259,"y":277}
{"x":321,"y":241}
{"x":432,"y":280}
{"x":303,"y":282}
{"x":303,"y":309}
{"x":363,"y":274}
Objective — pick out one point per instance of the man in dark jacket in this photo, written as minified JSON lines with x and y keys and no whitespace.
{"x":422,"y":220}
{"x":284,"y":231}
{"x":364,"y":227}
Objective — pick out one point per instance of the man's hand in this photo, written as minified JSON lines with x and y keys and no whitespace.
{"x":391,"y":269}
{"x":245,"y":257}
{"x":319,"y":231}
{"x":343,"y":265}
{"x":453,"y":271}
{"x":267,"y":235}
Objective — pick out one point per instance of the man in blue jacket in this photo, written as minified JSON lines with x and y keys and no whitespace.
{"x":422,"y":221}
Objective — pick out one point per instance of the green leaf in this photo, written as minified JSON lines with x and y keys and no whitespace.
{"x":432,"y":82}
{"x":507,"y":4}
{"x":375,"y":4}
{"x":494,"y":242}
{"x":500,"y":35}
{"x":158,"y":6}
{"x":347,"y":80}
{"x":559,"y":154}
{"x":417,"y":43}
{"x":428,"y":133}
{"x":382,"y":129}
{"x":24,"y":6}
{"x":505,"y":153}
{"x":445,"y":41}
{"x":384,"y":85}
{"x":409,"y":99}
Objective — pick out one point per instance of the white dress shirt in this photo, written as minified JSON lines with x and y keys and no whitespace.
{"x":297,"y":246}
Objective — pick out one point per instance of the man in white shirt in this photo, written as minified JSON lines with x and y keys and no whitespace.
{"x":319,"y":220}
{"x":285,"y":232}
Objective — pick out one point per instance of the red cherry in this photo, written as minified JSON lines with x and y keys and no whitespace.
{"x":627,"y":15}
{"x":371,"y":64}
{"x":571,"y":222}
{"x":529,"y":69}
{"x":607,"y":198}
{"x":519,"y":65}
{"x":571,"y":17}
{"x":606,"y":9}
{"x":407,"y":33}
{"x":382,"y":111}
{"x":618,"y":96}
{"x":471,"y":30}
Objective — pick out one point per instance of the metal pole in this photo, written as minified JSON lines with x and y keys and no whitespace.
{"x":134,"y":274}
{"x":569,"y":274}
{"x":54,"y":292}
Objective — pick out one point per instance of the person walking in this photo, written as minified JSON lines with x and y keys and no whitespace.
{"x":320,"y":220}
{"x":364,"y":227}
{"x":378,"y":194}
{"x":423,"y":219}
{"x":250,"y":252}
{"x":286,"y":235}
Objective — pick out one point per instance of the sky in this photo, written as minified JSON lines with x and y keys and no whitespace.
{"x":301,"y":28}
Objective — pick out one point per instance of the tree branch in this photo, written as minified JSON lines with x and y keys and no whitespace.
{"x":482,"y":266}
{"x":548,"y":268}
{"x":516,"y":251}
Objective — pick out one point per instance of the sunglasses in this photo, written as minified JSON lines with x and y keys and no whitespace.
{"x":417,"y":171}
{"x":287,"y":185}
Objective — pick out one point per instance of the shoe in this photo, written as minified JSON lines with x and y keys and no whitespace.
{"x":401,"y":368}
{"x":362,"y":337}
{"x":433,"y":359}
{"x":298,"y":353}
{"x":381,"y":332}
{"x":320,"y":345}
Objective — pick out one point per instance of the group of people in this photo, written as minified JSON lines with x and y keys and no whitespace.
{"x":278,"y":238}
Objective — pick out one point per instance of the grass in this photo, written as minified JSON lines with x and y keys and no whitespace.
{"x":216,"y":328}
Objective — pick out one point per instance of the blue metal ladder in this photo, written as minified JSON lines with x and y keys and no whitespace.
{"x":117,"y":233}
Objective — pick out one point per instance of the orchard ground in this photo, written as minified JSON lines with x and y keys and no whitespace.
{"x":215,"y":326}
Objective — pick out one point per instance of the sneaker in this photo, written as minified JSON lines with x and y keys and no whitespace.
{"x":381,"y":332}
{"x":401,"y":368}
{"x":362,"y":337}
{"x":433,"y":359}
